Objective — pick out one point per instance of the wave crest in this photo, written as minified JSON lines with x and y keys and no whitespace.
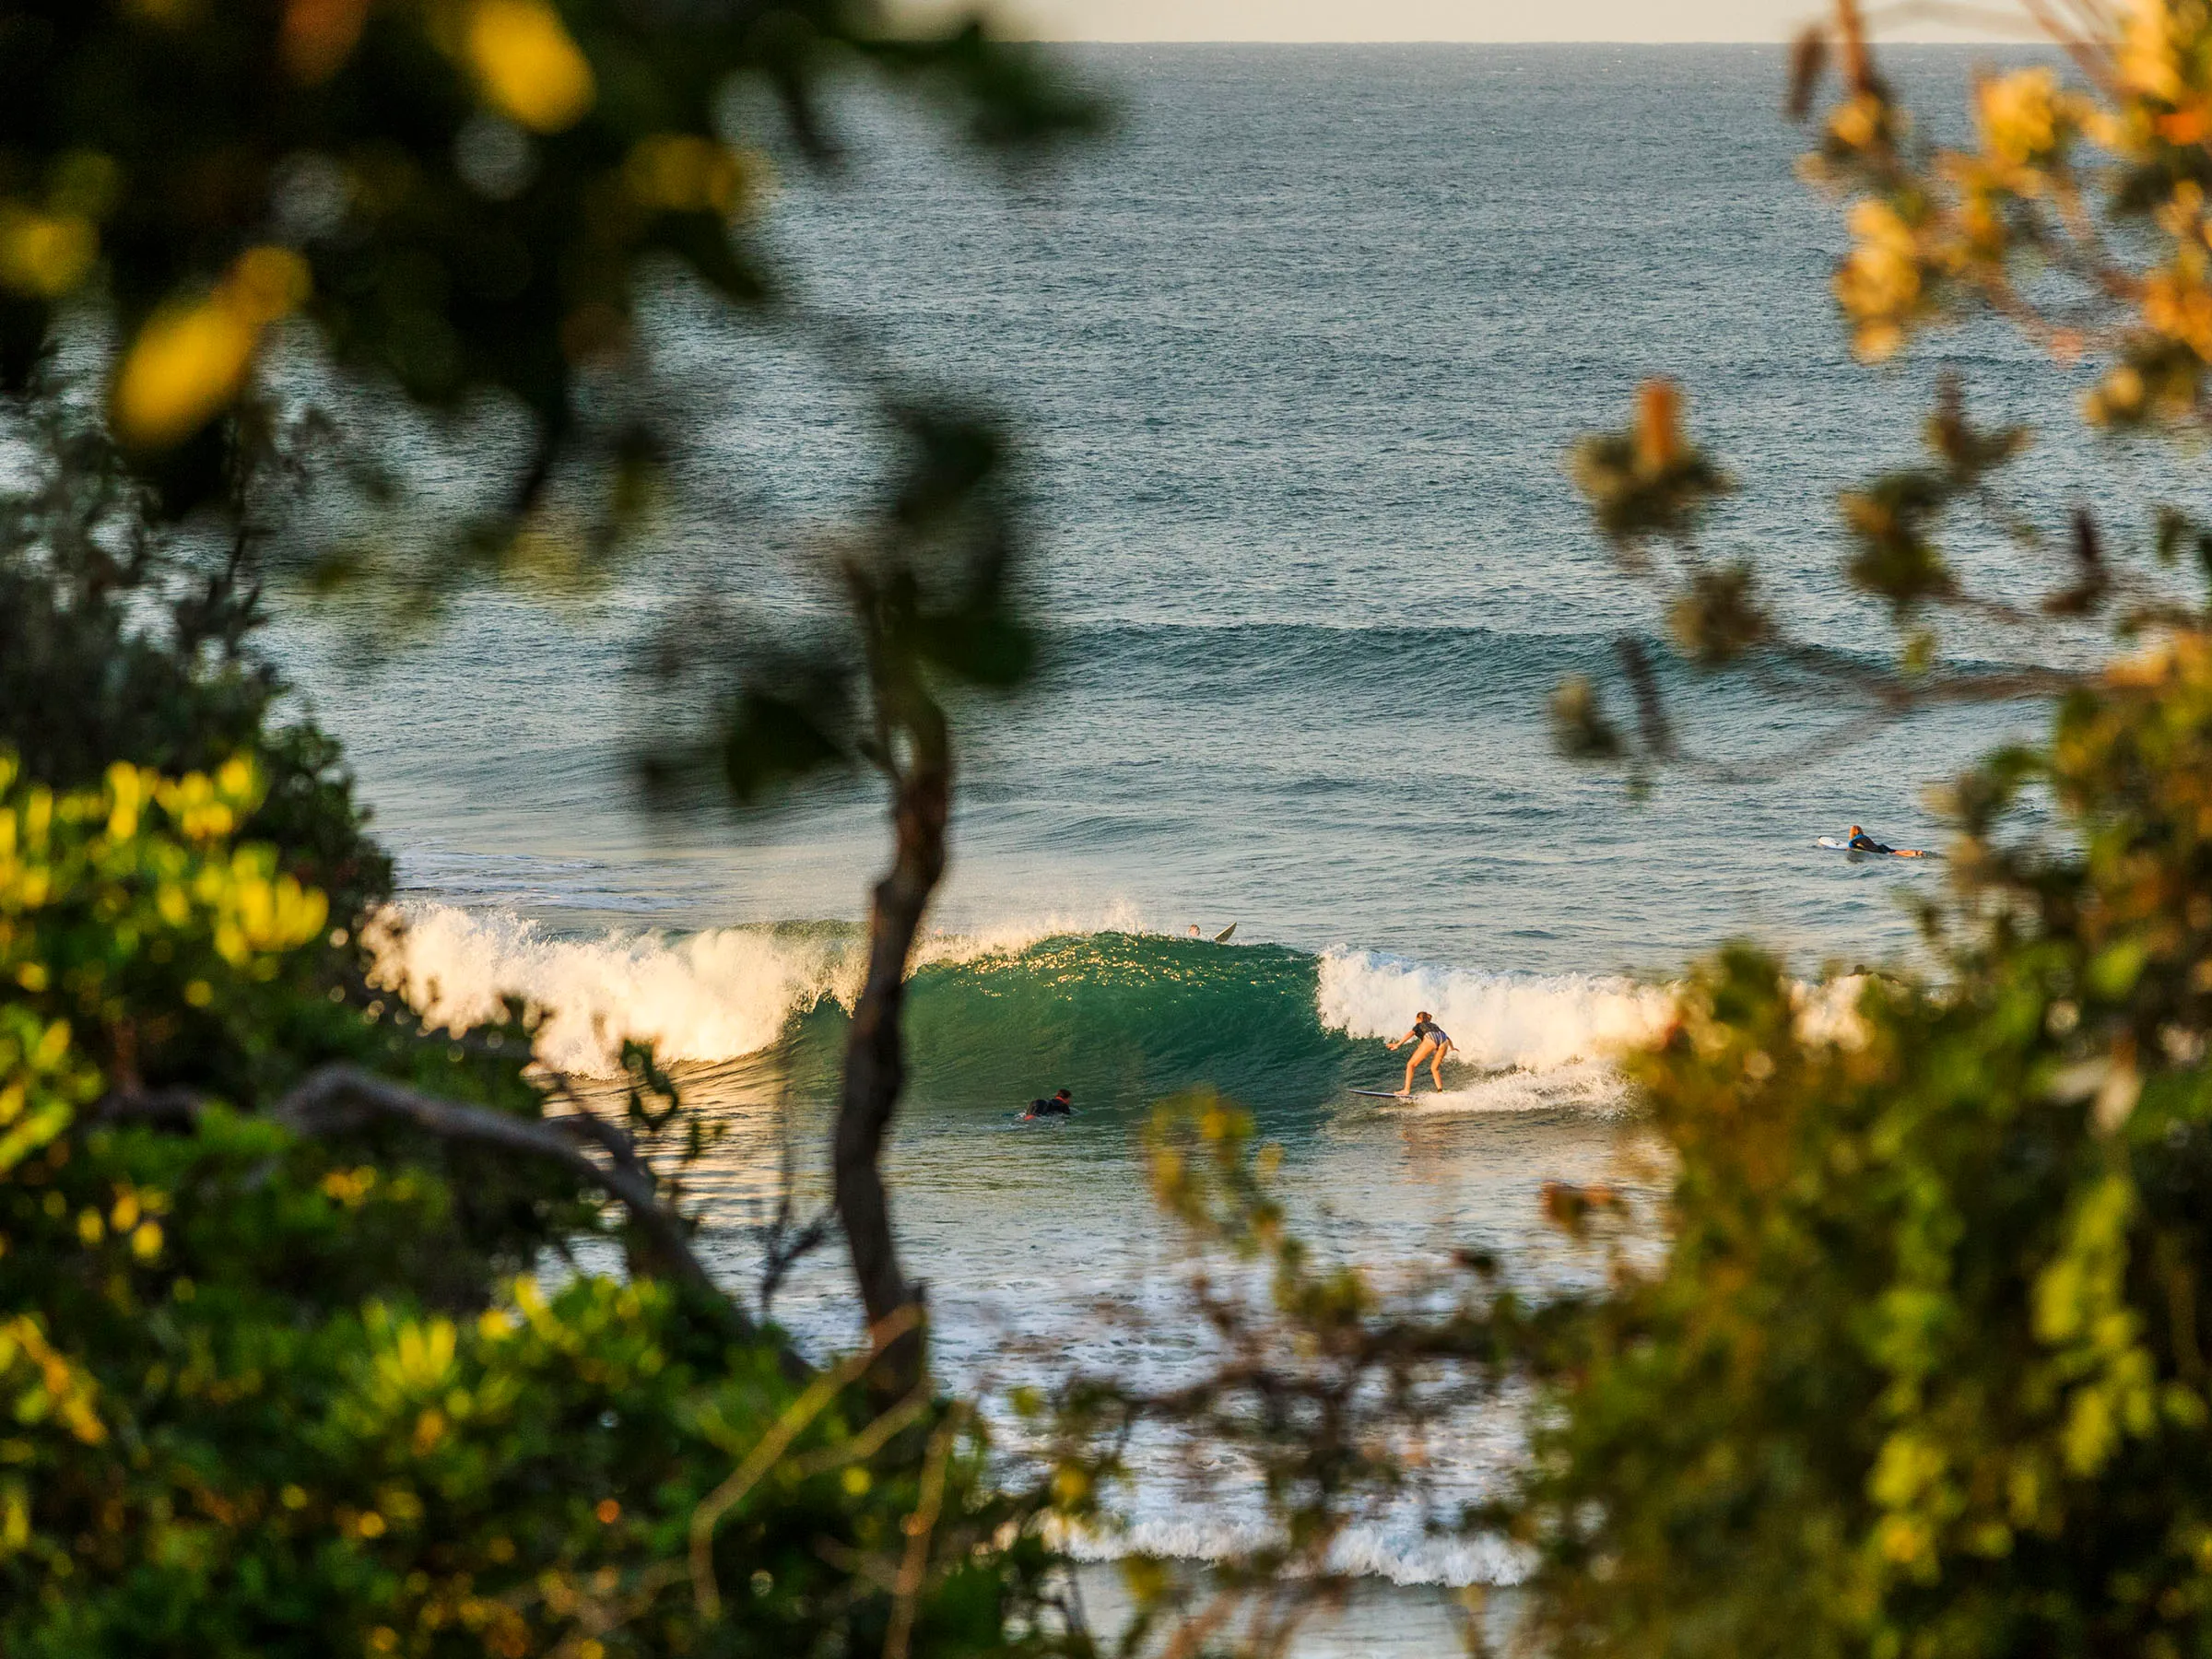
{"x":715,"y":996}
{"x":718,"y":994}
{"x":1153,"y":1011}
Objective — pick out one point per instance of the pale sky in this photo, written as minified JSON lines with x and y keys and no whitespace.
{"x":1420,"y":20}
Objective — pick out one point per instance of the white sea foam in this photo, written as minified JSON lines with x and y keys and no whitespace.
{"x":1401,"y":1553}
{"x":713,"y":995}
{"x":1544,"y":1041}
{"x":1829,"y":1012}
{"x":1589,"y":1086}
{"x":1535,"y":1023}
{"x":718,"y":994}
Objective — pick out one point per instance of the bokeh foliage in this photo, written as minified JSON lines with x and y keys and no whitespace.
{"x":459,"y":199}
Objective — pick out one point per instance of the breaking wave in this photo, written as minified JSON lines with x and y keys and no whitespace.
{"x":1116,"y":1008}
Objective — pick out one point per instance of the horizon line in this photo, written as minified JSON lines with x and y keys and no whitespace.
{"x":1040,"y":39}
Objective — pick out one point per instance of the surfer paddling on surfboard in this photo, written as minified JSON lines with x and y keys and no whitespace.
{"x":1059,"y":1105}
{"x":1430,"y":1043}
{"x":1861,"y":842}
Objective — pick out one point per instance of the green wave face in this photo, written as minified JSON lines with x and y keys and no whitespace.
{"x":1120,"y":1019}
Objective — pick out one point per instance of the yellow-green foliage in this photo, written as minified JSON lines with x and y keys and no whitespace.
{"x":96,"y":883}
{"x":263,"y":1395}
{"x":624,"y":158}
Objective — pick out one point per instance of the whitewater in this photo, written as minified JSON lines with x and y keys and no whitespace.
{"x":728,"y":994}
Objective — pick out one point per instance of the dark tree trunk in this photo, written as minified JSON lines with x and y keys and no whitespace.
{"x":875,"y":1052}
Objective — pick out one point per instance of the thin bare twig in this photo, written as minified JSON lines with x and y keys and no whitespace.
{"x":785,"y":1240}
{"x":706,"y":1594}
{"x":920,"y":1527}
{"x":338,"y":1099}
{"x":872,"y":1439}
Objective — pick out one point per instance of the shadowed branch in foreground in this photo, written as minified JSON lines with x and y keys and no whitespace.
{"x":343,"y":1099}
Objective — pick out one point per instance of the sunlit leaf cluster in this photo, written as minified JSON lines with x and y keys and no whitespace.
{"x":2076,"y":211}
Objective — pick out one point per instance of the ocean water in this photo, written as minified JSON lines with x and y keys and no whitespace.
{"x":1294,"y":360}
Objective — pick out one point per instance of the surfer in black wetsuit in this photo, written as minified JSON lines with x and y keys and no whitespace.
{"x":1060,"y":1105}
{"x":1430,"y":1043}
{"x":1862,"y":842}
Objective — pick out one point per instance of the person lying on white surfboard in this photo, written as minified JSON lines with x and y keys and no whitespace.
{"x":1861,"y":842}
{"x":1430,"y":1043}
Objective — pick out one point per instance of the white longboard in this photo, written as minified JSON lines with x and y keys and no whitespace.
{"x":1222,"y":937}
{"x":1382,"y":1094}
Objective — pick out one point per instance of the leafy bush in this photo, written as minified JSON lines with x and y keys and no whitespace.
{"x":277,"y":1383}
{"x":1925,"y":1372}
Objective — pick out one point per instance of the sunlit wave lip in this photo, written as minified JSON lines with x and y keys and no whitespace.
{"x":718,"y":994}
{"x":714,"y":995}
{"x":1150,"y":1011}
{"x":1008,"y":938}
{"x":1263,"y":1021}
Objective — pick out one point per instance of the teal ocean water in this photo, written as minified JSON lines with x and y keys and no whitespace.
{"x":1294,"y":360}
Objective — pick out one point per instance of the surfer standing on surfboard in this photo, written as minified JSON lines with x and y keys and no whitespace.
{"x":1430,"y":1043}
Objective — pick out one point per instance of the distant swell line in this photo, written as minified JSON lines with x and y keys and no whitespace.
{"x":1401,"y":1553}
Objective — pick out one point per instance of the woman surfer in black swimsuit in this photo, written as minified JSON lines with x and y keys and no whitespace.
{"x":1432,"y":1043}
